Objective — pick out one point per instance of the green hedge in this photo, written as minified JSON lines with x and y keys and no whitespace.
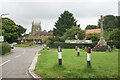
{"x":69,"y":45}
{"x":72,"y":45}
{"x":5,"y":48}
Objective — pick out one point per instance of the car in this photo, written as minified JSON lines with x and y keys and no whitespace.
{"x":14,"y":43}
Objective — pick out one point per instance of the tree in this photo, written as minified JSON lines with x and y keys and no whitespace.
{"x":115,"y":37}
{"x":91,"y":27}
{"x":64,"y":22}
{"x":93,"y":37}
{"x":21,"y":30}
{"x":11,"y":31}
{"x":75,"y":30}
{"x":111,"y":22}
{"x":118,"y":18}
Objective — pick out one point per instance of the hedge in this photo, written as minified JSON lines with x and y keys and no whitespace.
{"x":72,"y":45}
{"x":69,"y":45}
{"x":5,"y":48}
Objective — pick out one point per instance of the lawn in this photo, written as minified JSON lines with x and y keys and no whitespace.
{"x":104,"y":64}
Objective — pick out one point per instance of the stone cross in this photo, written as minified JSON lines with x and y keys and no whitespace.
{"x":101,"y":26}
{"x":102,"y":41}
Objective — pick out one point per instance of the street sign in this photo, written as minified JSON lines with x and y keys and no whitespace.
{"x":1,"y":38}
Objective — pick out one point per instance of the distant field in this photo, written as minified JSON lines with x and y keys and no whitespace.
{"x":104,"y":64}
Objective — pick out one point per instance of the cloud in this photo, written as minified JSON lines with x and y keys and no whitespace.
{"x":85,"y":11}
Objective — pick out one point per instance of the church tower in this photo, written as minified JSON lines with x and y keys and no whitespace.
{"x":36,"y":28}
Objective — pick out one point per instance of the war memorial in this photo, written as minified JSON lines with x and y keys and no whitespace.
{"x":102,"y":44}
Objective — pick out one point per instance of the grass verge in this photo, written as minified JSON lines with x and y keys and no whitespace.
{"x":8,"y":53}
{"x":26,"y":45}
{"x":104,"y":64}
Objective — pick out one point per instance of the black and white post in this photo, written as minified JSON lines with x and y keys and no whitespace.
{"x":78,"y":51}
{"x":88,"y":57}
{"x":59,"y":55}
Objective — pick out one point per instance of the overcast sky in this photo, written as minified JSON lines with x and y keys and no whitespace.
{"x":86,"y":12}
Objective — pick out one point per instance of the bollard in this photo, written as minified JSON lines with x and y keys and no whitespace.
{"x":47,"y":48}
{"x":75,"y":48}
{"x":43,"y":47}
{"x":88,"y":57}
{"x":59,"y":55}
{"x":78,"y":51}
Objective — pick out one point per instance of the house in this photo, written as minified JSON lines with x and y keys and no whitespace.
{"x":92,"y":31}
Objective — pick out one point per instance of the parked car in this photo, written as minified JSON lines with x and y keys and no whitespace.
{"x":12,"y":45}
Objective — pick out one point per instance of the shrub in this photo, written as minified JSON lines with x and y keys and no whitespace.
{"x":114,"y":36}
{"x":93,"y":37}
{"x":5,"y":48}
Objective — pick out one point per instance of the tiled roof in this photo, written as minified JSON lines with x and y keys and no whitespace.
{"x":36,"y":37}
{"x":90,"y":31}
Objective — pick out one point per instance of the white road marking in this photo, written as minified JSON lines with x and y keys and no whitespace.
{"x":5,"y":62}
{"x":17,"y":56}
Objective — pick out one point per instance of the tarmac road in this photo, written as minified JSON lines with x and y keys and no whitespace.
{"x":16,"y":64}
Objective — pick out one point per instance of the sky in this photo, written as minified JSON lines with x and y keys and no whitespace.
{"x":86,"y":12}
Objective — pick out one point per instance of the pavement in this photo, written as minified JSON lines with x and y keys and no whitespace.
{"x":16,"y":65}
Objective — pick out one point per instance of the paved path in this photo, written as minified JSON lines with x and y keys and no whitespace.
{"x":16,"y":64}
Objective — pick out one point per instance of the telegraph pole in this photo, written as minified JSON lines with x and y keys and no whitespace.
{"x":1,"y":39}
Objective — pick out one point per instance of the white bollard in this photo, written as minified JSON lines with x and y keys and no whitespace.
{"x":75,"y":48}
{"x":78,"y":51}
{"x":59,"y":55}
{"x":88,"y":57}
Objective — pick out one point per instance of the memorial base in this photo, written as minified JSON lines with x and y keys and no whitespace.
{"x":102,"y":48}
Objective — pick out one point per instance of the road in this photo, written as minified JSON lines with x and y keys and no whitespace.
{"x":16,"y":64}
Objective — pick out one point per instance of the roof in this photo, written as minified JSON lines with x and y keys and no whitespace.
{"x":44,"y":33}
{"x":91,"y":31}
{"x":35,"y":37}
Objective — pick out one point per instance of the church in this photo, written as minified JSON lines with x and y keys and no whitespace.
{"x":37,"y":33}
{"x":37,"y":30}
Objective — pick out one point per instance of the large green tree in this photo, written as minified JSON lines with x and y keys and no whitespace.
{"x":91,"y":27}
{"x":75,"y":30}
{"x":111,"y":22}
{"x":64,"y":22}
{"x":21,"y":30}
{"x":10,"y":30}
{"x":118,"y":18}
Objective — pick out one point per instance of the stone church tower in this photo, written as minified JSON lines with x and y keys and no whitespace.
{"x":36,"y":28}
